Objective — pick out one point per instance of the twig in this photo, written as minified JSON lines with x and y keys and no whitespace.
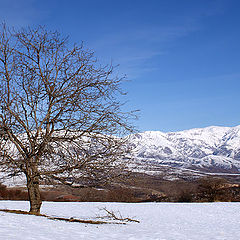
{"x":113,"y":216}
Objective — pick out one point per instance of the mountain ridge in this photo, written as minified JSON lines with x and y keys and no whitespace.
{"x":209,"y":149}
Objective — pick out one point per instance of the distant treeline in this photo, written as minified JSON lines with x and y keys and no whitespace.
{"x":140,"y":188}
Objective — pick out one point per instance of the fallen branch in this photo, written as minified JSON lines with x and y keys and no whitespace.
{"x":58,"y":218}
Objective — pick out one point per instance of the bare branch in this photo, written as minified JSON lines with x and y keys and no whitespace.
{"x":60,"y":116}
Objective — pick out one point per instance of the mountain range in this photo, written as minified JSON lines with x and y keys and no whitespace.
{"x":184,"y":154}
{"x":212,"y":149}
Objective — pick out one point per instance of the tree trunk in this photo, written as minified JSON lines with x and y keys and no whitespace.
{"x":34,"y":194}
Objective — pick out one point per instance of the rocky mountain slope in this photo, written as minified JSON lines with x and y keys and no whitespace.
{"x":212,"y":149}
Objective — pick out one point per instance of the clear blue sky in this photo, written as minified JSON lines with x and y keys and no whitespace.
{"x":182,"y":57}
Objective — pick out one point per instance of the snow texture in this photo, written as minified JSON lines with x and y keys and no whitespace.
{"x":162,"y":221}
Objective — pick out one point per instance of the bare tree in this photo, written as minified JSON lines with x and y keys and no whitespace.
{"x":60,"y":118}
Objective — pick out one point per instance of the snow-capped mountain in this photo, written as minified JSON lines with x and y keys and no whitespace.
{"x":211,"y":149}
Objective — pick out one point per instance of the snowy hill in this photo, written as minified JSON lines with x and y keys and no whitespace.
{"x":211,"y":149}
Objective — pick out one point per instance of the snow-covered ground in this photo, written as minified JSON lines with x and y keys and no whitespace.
{"x":157,"y":221}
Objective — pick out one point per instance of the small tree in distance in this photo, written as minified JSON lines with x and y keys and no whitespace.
{"x":60,"y":120}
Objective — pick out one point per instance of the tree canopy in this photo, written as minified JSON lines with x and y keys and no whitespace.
{"x":60,"y":117}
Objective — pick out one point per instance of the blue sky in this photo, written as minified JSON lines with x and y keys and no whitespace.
{"x":182,"y":57}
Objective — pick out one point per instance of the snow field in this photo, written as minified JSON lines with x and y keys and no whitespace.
{"x":169,"y":221}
